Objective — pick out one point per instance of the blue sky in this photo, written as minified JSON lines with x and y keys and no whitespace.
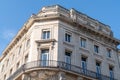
{"x":14,"y":13}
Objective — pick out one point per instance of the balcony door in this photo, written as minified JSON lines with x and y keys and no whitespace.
{"x":68,"y":59}
{"x":111,"y":73}
{"x":84,"y":65}
{"x":98,"y":70}
{"x":44,"y":57}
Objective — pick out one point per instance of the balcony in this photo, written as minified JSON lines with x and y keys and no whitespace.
{"x":51,"y":64}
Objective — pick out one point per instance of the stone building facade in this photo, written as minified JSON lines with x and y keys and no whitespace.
{"x":61,"y":44}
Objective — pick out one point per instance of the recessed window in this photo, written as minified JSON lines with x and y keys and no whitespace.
{"x":44,"y":57}
{"x":96,"y":49}
{"x":5,"y":77}
{"x":28,"y":43}
{"x":13,"y":57}
{"x":45,"y":34}
{"x":67,"y":37}
{"x":19,"y":50}
{"x":7,"y":63}
{"x":68,"y":59}
{"x":2,"y":68}
{"x":111,"y":72}
{"x":18,"y":64}
{"x":26,"y":58}
{"x":10,"y":71}
{"x":84,"y":64}
{"x":98,"y":69}
{"x":109,"y":53}
{"x":83,"y":42}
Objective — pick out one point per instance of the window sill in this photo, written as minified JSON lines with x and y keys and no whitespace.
{"x":84,"y":49}
{"x":98,"y":56}
{"x":110,"y":60}
{"x":68,"y":43}
{"x":45,"y":40}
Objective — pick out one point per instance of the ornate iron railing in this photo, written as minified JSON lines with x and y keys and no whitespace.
{"x":59,"y":65}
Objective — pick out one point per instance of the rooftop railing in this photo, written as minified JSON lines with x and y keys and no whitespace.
{"x":58,"y":65}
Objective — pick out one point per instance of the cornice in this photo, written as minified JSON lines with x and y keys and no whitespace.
{"x":70,"y":17}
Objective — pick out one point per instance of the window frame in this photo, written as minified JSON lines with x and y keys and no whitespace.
{"x":83,"y":42}
{"x":84,"y":67}
{"x":68,"y":37}
{"x":98,"y":69}
{"x":26,"y":58}
{"x":2,"y":69}
{"x":109,"y":53}
{"x":17,"y":65}
{"x":68,"y":54}
{"x":5,"y":77}
{"x":44,"y":62}
{"x":96,"y":48}
{"x":11,"y":70}
{"x":19,"y":49}
{"x":46,"y":33}
{"x":111,"y":72}
{"x":27,"y":43}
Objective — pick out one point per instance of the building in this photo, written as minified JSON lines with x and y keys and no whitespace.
{"x":61,"y":44}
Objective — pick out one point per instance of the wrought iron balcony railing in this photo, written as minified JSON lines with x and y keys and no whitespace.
{"x":59,"y":65}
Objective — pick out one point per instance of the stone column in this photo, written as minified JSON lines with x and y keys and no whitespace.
{"x":61,"y":76}
{"x":79,"y":78}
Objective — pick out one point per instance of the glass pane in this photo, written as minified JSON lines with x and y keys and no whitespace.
{"x":96,"y":49}
{"x":44,"y":35}
{"x":84,"y":66}
{"x":68,"y":60}
{"x":48,"y":34}
{"x":67,"y":37}
{"x":111,"y":73}
{"x":44,"y":57}
{"x":98,"y":71}
{"x":83,"y":42}
{"x":109,"y":53}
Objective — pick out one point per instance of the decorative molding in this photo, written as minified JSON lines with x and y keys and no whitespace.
{"x":68,"y":44}
{"x":45,"y":40}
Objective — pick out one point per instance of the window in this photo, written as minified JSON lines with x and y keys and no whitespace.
{"x":2,"y":68}
{"x":46,"y":35}
{"x":28,"y":43}
{"x":44,"y":57}
{"x":10,"y":71}
{"x":68,"y":59}
{"x":98,"y":69}
{"x":26,"y":58}
{"x":83,"y":42}
{"x":67,"y":37}
{"x":13,"y":57}
{"x":84,"y":64}
{"x":96,"y":49}
{"x":4,"y":77}
{"x":19,"y":51}
{"x":7,"y":63}
{"x":111,"y":72}
{"x":109,"y":53}
{"x":18,"y":64}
